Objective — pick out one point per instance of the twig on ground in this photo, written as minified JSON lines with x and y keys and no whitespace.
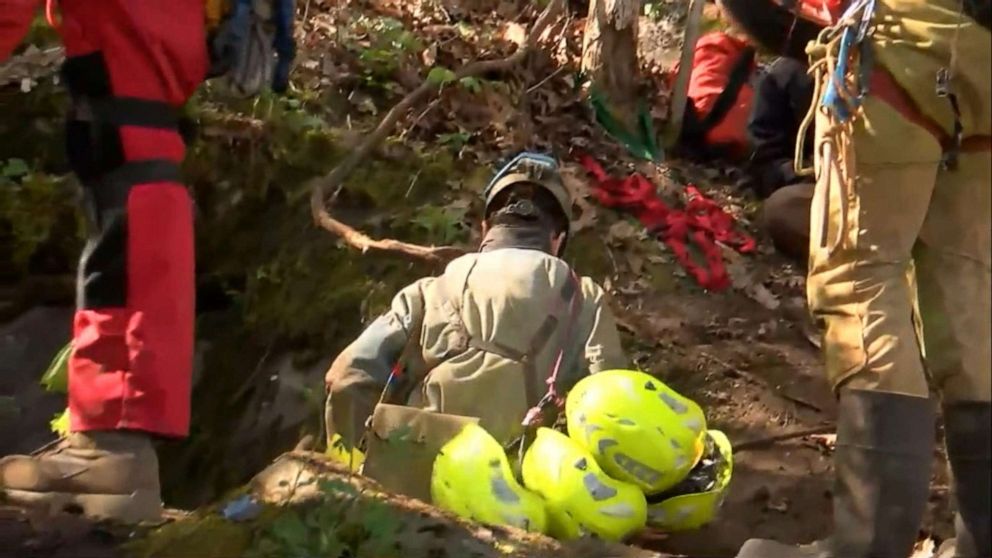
{"x":320,"y":187}
{"x":748,"y":445}
{"x":800,"y":401}
{"x":547,"y":78}
{"x":420,"y":117}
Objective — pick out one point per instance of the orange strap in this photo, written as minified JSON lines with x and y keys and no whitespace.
{"x":885,"y":87}
{"x":50,"y":14}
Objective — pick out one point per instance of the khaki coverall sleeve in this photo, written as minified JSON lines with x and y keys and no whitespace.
{"x":602,"y":350}
{"x":358,"y":375}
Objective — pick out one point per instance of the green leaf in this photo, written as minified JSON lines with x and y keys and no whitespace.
{"x":439,"y":75}
{"x":473,"y":85}
{"x":60,"y":423}
{"x":290,"y":530}
{"x":56,"y":378}
{"x":14,"y":168}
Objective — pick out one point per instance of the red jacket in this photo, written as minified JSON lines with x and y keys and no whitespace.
{"x":714,"y":57}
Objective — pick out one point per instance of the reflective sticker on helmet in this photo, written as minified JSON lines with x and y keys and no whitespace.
{"x":605,"y":444}
{"x":501,"y":489}
{"x":626,"y":422}
{"x":673,"y":404}
{"x":675,"y":443}
{"x":622,"y":510}
{"x":681,"y":462}
{"x":597,"y":489}
{"x":657,"y":515}
{"x":636,"y":469}
{"x":693,"y":424}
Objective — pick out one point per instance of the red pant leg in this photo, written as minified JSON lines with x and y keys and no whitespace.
{"x":132,"y":363}
{"x":15,"y":19}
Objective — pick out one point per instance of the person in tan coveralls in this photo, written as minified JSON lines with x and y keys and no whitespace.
{"x":917,"y":199}
{"x":487,"y":332}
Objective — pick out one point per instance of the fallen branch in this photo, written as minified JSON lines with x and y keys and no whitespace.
{"x":748,"y":445}
{"x":322,"y":187}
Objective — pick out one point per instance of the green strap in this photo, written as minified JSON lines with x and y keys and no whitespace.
{"x":641,"y":143}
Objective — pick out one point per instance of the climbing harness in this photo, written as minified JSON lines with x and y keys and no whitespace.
{"x":841,"y":70}
{"x":702,"y":222}
{"x":944,"y":89}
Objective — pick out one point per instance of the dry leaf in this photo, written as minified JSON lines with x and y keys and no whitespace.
{"x":514,"y":33}
{"x":924,"y":549}
{"x":826,"y":440}
{"x":620,"y":231}
{"x":429,"y":55}
{"x":573,"y":177}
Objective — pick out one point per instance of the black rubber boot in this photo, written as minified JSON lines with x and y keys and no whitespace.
{"x":882,"y":464}
{"x":968,"y":432}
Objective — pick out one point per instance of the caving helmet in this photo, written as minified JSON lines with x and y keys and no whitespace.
{"x":638,"y":429}
{"x":694,"y":502}
{"x":782,"y":27}
{"x":472,"y":478}
{"x":339,"y":452}
{"x":581,"y":499}
{"x":530,"y":168}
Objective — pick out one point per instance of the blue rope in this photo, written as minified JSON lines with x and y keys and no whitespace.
{"x":853,"y":38}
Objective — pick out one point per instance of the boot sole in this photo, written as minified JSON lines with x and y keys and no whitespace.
{"x":138,"y":507}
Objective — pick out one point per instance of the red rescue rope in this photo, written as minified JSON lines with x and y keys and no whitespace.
{"x":702,"y":222}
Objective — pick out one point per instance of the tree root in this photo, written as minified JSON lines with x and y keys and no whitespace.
{"x":325,"y":187}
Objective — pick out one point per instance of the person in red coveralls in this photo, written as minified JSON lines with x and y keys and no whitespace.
{"x":129,"y":67}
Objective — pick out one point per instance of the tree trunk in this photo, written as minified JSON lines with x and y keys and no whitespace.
{"x":609,"y":54}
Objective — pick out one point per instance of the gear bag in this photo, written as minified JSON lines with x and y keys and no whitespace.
{"x":251,"y":43}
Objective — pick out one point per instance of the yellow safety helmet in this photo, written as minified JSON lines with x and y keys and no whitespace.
{"x":581,"y":499}
{"x":638,"y":429}
{"x":339,"y":452}
{"x":695,"y":501}
{"x":472,"y":478}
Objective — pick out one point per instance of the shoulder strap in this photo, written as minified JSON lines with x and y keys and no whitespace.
{"x":735,"y":81}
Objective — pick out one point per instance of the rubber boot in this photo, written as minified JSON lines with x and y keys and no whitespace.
{"x":104,"y":475}
{"x":968,"y":432}
{"x":882,"y":463}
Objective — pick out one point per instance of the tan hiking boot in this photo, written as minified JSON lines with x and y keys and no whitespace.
{"x":107,"y":475}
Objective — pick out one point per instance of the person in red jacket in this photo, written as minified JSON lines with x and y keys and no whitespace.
{"x":129,"y":67}
{"x":751,"y":115}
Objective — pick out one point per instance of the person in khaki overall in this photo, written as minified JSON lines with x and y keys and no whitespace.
{"x":912,"y":223}
{"x":488,"y":332}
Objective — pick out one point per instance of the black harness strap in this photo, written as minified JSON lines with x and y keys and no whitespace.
{"x":131,"y":111}
{"x":113,"y":189}
{"x":694,"y":128}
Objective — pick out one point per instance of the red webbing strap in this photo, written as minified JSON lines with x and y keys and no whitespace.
{"x":702,"y":222}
